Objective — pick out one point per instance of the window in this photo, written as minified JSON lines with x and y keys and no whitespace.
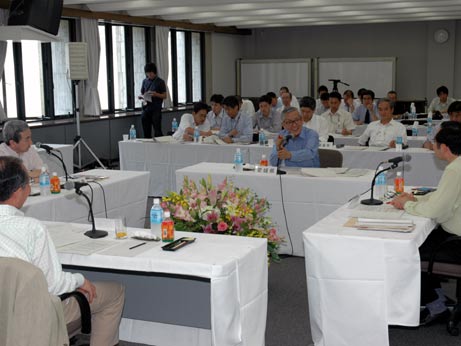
{"x":186,"y":67}
{"x":102,"y":78}
{"x":9,"y":83}
{"x":62,"y":86}
{"x":139,"y":60}
{"x":119,"y":63}
{"x":33,"y":88}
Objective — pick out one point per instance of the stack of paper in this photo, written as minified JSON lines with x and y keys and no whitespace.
{"x":385,"y":225}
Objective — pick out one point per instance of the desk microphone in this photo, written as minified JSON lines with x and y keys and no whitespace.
{"x":285,"y":140}
{"x":395,"y":162}
{"x":50,"y":151}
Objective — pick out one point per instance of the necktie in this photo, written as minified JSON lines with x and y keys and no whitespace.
{"x":367,"y":117}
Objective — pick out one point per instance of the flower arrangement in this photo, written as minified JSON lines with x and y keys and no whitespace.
{"x":223,"y":209}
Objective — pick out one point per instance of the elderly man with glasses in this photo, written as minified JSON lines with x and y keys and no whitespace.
{"x":296,"y":145}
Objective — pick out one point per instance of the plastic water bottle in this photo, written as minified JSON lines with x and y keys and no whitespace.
{"x":429,"y":131}
{"x":413,"y":110}
{"x":414,"y":129}
{"x":262,"y":137}
{"x":380,"y":184}
{"x":196,"y":134}
{"x":399,"y":143}
{"x":174,"y":125}
{"x":132,"y":132}
{"x":156,"y":218}
{"x":238,"y":160}
{"x":44,"y":181}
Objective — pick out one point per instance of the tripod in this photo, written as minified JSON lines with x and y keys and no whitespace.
{"x":78,"y":140}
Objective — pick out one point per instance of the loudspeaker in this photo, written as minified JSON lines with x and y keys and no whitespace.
{"x":41,"y":14}
{"x":78,"y":60}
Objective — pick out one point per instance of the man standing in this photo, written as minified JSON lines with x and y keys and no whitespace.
{"x":266,"y":117}
{"x":153,"y":91}
{"x":367,"y":111}
{"x":28,"y":239}
{"x":383,"y":132}
{"x":198,"y":119}
{"x":443,"y":205}
{"x":236,"y":126}
{"x":313,"y":121}
{"x":18,"y":143}
{"x":441,"y":102}
{"x":301,"y":149}
{"x":339,"y":121}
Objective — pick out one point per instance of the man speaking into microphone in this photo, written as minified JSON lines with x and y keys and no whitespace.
{"x":296,"y":145}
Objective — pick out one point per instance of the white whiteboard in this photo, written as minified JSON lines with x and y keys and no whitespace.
{"x":377,"y":74}
{"x":257,"y":77}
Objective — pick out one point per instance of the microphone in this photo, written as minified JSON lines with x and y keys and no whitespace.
{"x":285,"y":140}
{"x":49,"y":152}
{"x":396,"y":160}
{"x":39,"y":145}
{"x":93,"y":232}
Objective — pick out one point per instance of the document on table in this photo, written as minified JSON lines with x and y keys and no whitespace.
{"x":383,"y":211}
{"x":389,"y":225}
{"x":63,"y":234}
{"x":334,"y":172}
{"x":88,"y":246}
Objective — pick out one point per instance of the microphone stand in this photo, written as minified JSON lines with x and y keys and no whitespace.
{"x":49,"y":152}
{"x":93,"y":233}
{"x":371,"y":200}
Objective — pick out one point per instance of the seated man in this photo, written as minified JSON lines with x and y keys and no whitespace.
{"x":28,"y":239}
{"x":440,"y":103}
{"x":286,"y":102}
{"x":216,"y":114}
{"x":18,"y":143}
{"x":444,"y":206}
{"x":398,"y":107}
{"x":323,"y":104}
{"x":454,"y":113}
{"x":236,"y":126}
{"x":246,"y":106}
{"x":302,"y":150}
{"x":339,"y":121}
{"x":320,"y":90}
{"x":188,"y":123}
{"x":349,"y":103}
{"x":313,"y":121}
{"x":383,"y":133}
{"x":266,"y":117}
{"x":274,"y":100}
{"x":367,"y":111}
{"x":293,"y":100}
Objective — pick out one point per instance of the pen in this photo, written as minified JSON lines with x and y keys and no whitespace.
{"x":133,"y":247}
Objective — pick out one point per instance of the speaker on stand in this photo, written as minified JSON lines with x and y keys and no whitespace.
{"x":78,"y":71}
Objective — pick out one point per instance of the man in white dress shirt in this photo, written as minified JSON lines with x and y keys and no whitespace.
{"x":293,"y":100}
{"x":383,"y":132}
{"x":216,"y":114}
{"x":339,"y":121}
{"x":18,"y":143}
{"x":246,"y":106}
{"x":27,"y":239}
{"x":311,"y":120}
{"x":441,"y":102}
{"x":198,"y":119}
{"x":349,"y":103}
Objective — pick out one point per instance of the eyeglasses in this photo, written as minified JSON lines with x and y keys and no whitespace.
{"x":291,"y":122}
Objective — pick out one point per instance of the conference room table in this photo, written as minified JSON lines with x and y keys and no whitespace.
{"x":211,"y":292}
{"x":360,"y":282}
{"x":305,"y":201}
{"x":53,"y":164}
{"x":423,"y":169}
{"x":123,"y":193}
{"x":163,"y":159}
{"x":413,"y":142}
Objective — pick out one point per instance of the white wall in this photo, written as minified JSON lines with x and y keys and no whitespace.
{"x":422,"y":64}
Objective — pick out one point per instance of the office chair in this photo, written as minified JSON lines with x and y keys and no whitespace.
{"x":330,"y":158}
{"x":449,"y":270}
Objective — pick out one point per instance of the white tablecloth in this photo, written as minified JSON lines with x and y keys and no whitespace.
{"x":54,"y":165}
{"x":163,"y":159}
{"x":413,"y":142}
{"x":359,"y":282}
{"x":306,"y":199}
{"x":423,"y":169}
{"x":126,"y":195}
{"x":236,"y":267}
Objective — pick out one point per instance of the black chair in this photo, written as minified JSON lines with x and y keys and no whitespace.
{"x":85,"y":311}
{"x":448,"y":270}
{"x":330,"y":158}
